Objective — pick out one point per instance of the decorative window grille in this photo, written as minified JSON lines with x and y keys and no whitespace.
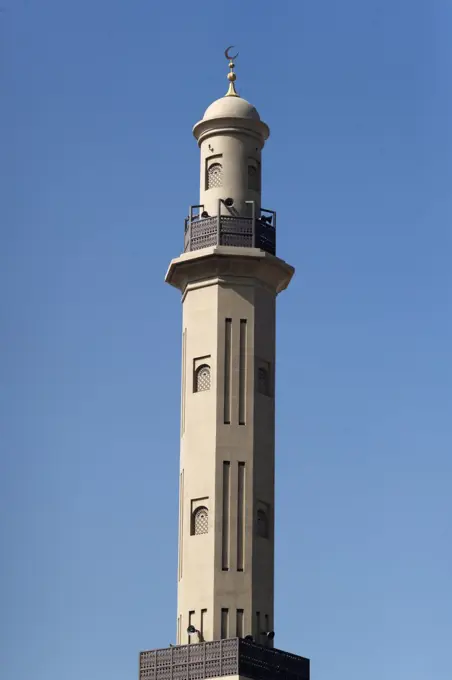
{"x":202,"y":378}
{"x":214,"y":176}
{"x":200,"y":521}
{"x":254,"y":177}
{"x":263,"y":381}
{"x":262,"y":524}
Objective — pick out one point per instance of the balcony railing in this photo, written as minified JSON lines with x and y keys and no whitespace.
{"x":221,"y":658}
{"x":230,"y":230}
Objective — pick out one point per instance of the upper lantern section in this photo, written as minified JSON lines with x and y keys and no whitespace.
{"x":231,"y":111}
{"x":230,"y":137}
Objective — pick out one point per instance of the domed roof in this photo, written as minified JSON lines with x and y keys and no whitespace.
{"x":231,"y":107}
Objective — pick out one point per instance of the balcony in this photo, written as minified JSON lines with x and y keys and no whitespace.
{"x":221,"y":658}
{"x":231,"y":230}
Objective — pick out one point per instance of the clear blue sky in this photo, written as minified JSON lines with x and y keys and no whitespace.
{"x":99,"y":167}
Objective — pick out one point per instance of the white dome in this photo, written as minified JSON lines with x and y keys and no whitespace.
{"x":231,"y":107}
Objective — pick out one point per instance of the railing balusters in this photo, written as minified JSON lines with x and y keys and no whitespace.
{"x":219,"y":222}
{"x":220,"y":658}
{"x":245,"y":232}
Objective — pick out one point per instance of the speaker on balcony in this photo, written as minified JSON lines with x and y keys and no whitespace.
{"x":269,"y":634}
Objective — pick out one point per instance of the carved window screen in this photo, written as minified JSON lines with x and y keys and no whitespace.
{"x":200,"y":521}
{"x":202,"y":378}
{"x":214,"y":176}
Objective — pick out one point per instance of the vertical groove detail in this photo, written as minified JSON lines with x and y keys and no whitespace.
{"x":227,"y":371}
{"x":239,"y":623}
{"x":203,"y":622}
{"x":224,"y":624}
{"x":242,"y":373}
{"x":226,"y":512}
{"x":181,"y":523}
{"x":258,"y":627}
{"x":241,"y":517}
{"x":184,"y":379}
{"x":191,"y":621}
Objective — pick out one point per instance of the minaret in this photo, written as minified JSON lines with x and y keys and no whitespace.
{"x":229,"y":277}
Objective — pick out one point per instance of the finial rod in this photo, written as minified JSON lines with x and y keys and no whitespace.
{"x":232,"y":92}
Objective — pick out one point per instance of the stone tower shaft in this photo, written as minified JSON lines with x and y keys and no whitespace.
{"x":229,"y":277}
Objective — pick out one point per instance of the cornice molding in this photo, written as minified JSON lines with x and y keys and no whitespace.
{"x":227,"y":264}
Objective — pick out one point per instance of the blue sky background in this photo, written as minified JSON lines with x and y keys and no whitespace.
{"x":98,"y":169}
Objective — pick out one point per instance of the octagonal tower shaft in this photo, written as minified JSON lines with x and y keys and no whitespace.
{"x":229,"y":288}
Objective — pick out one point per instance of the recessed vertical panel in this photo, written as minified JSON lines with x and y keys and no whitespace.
{"x":184,"y":378}
{"x":239,"y":623}
{"x":203,"y":622}
{"x":226,"y":513}
{"x":227,"y":371}
{"x":224,"y":624}
{"x":242,"y":372}
{"x":191,"y":622}
{"x":181,"y":523}
{"x":257,"y":634}
{"x":241,"y":517}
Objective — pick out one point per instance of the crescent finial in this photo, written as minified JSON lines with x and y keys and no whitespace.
{"x":231,"y":75}
{"x":228,"y":56}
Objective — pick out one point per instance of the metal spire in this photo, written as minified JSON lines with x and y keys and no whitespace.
{"x":232,"y":92}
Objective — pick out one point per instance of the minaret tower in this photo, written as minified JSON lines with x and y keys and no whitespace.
{"x":229,"y":277}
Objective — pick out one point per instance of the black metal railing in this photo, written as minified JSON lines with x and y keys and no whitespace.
{"x":230,"y":230}
{"x":265,"y":663}
{"x":217,"y":659}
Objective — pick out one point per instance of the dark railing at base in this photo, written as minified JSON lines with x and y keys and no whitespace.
{"x":229,"y":230}
{"x":220,"y":658}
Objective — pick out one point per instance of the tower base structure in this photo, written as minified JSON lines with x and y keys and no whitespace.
{"x":230,"y":659}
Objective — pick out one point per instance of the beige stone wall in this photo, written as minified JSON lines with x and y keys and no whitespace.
{"x":234,"y":150}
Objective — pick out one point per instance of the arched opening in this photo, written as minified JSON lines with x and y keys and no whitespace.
{"x":202,"y":378}
{"x":262,"y":524}
{"x":254,"y":176}
{"x":214,"y":176}
{"x":263,"y":381}
{"x":200,"y":521}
